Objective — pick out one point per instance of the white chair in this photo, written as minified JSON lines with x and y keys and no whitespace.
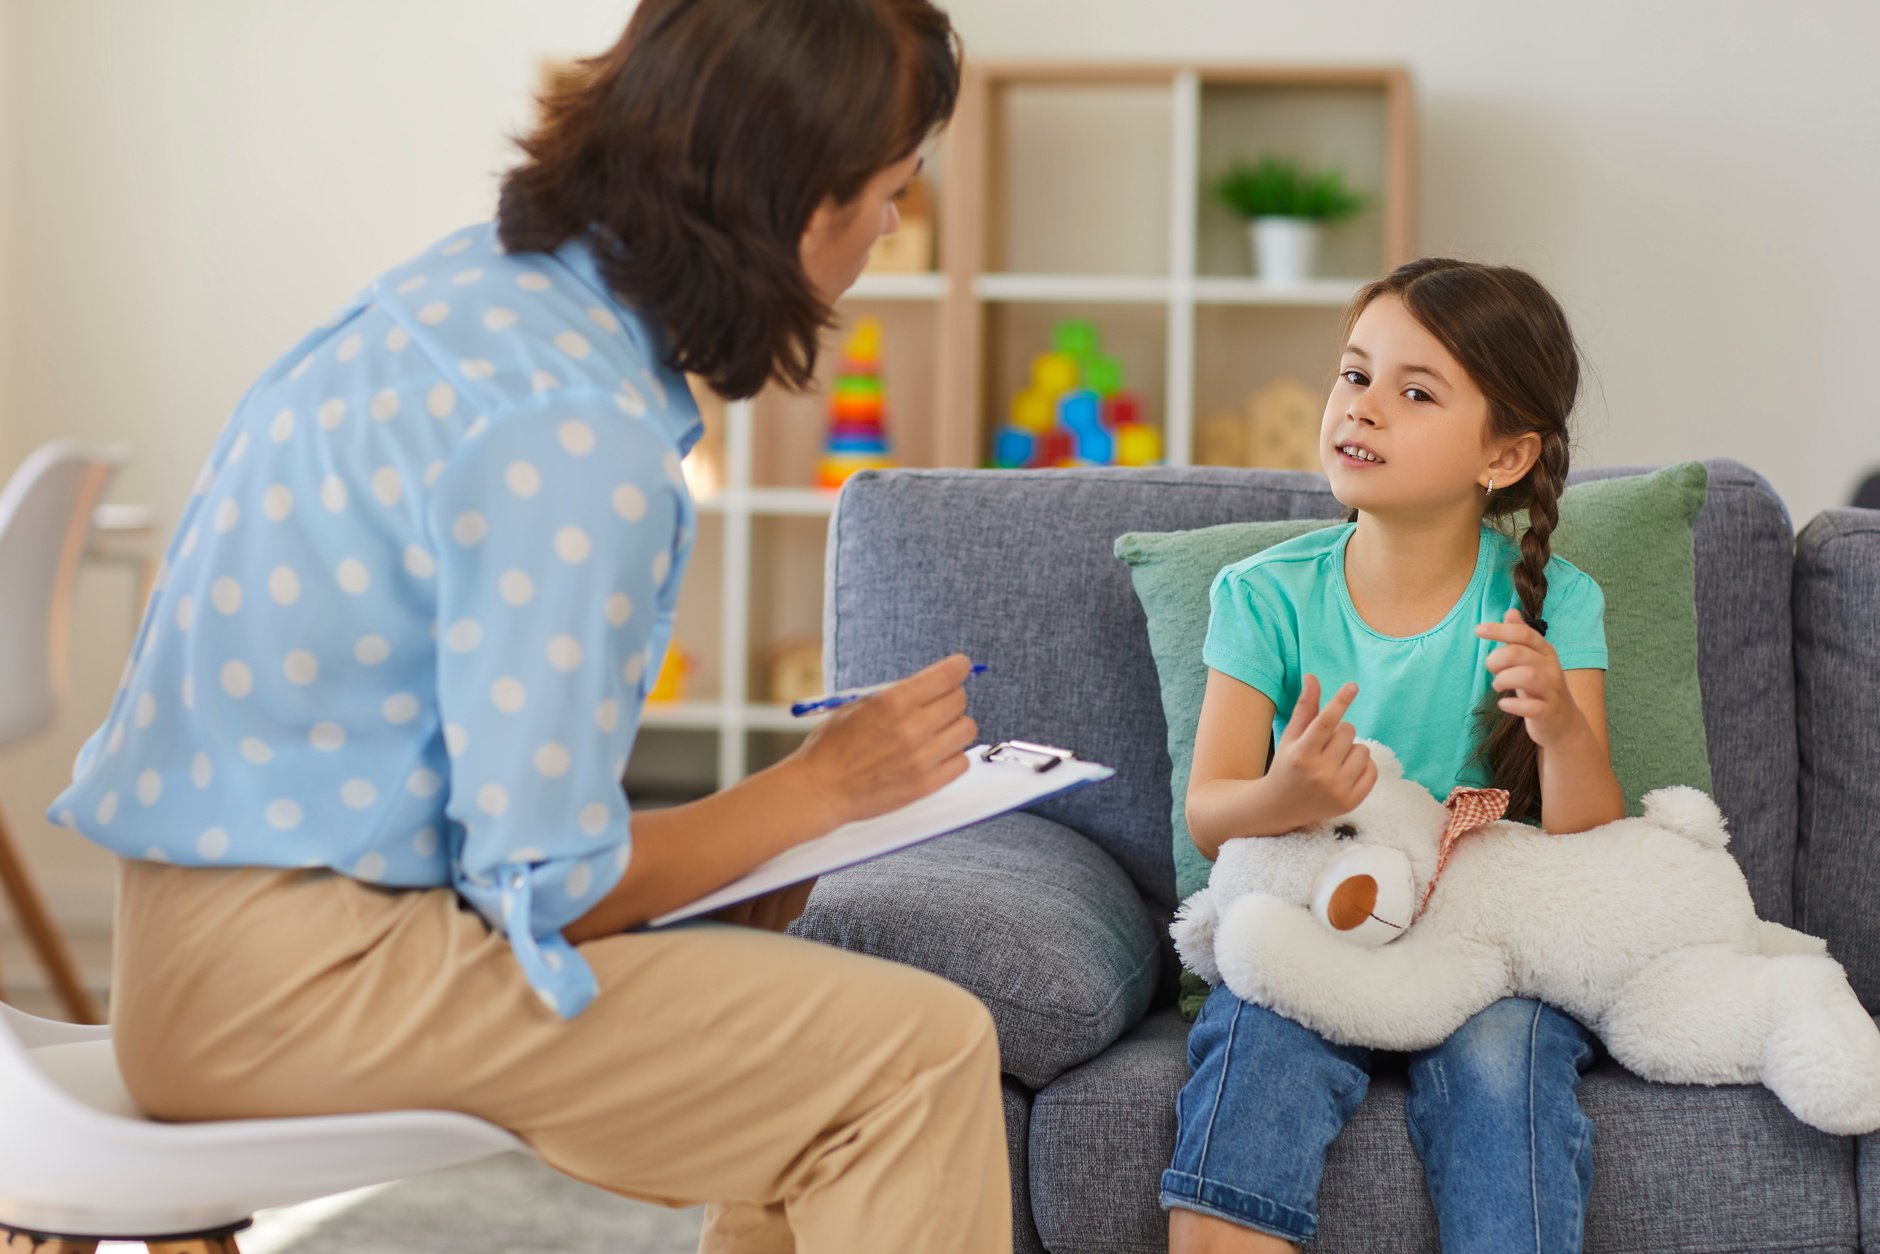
{"x":79,"y":1163}
{"x":45,"y":520}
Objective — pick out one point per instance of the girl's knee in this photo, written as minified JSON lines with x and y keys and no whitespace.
{"x":1259,"y":1058}
{"x":1514,"y":1043}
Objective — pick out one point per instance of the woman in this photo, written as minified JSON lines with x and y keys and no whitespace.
{"x":363,"y":769}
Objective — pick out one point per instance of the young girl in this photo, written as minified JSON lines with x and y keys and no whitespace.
{"x":1480,"y":660}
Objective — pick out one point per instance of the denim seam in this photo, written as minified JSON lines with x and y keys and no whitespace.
{"x":1534,"y":1181}
{"x":1214,"y":1112}
{"x":1214,"y":1197}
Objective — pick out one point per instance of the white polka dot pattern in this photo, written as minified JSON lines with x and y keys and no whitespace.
{"x":405,"y":629}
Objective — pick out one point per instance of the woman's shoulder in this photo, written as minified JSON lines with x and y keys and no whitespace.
{"x":504,"y":328}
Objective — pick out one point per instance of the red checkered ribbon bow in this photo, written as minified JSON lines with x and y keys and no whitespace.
{"x":1470,"y":809}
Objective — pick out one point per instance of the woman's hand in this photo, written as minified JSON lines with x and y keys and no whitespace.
{"x":1319,"y":770}
{"x":1527,"y":671}
{"x":882,"y":752}
{"x":774,"y":911}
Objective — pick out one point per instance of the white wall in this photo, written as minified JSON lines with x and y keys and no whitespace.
{"x":189,"y":185}
{"x":10,"y":128}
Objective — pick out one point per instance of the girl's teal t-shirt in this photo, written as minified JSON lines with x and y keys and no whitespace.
{"x":1285,"y":612}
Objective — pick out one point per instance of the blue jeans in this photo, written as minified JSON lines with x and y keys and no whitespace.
{"x":1493,"y":1113}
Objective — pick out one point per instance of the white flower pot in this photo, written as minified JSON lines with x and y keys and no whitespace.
{"x":1284,"y":248}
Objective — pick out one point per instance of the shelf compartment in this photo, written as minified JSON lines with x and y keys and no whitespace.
{"x":786,"y":597}
{"x":766,"y":748}
{"x":1241,"y":348}
{"x":1322,"y":126}
{"x":1098,"y":154}
{"x":789,"y":430}
{"x":1016,"y":332}
{"x":700,"y":611}
{"x":671,"y":766}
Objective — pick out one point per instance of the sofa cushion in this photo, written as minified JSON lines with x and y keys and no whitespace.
{"x":1837,"y":709}
{"x":1632,"y":534}
{"x":1675,"y":1167}
{"x":1025,"y":913}
{"x":1016,"y":569}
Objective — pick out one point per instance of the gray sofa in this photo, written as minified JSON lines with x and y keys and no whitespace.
{"x":1056,"y":918}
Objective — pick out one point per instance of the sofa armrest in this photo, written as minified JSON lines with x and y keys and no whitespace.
{"x":1027,"y":914}
{"x":1837,"y":683}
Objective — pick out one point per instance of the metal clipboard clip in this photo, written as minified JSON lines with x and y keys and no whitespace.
{"x":1039,"y":758}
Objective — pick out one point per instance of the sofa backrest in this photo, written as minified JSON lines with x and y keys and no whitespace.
{"x":1015,"y":569}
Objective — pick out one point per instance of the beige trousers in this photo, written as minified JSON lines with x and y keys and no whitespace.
{"x":820,"y":1100}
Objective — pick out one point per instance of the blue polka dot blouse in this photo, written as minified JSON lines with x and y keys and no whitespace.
{"x":413,"y":608}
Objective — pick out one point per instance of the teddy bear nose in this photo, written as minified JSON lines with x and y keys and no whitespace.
{"x":1344,"y":831}
{"x":1352,"y":902}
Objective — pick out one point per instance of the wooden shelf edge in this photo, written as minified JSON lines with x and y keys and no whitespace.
{"x":685,"y":715}
{"x":716,"y":716}
{"x":771,"y":502}
{"x":1107,"y":289}
{"x":889,"y":286}
{"x":1226,"y":291}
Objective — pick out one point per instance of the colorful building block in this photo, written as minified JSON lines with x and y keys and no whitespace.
{"x":1052,"y":373}
{"x":857,"y":436}
{"x":1076,"y":410}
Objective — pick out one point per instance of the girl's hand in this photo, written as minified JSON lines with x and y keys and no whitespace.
{"x":882,"y":752}
{"x":1319,"y":771}
{"x":1527,"y":671}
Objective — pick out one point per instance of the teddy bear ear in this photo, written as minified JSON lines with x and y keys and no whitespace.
{"x":1387,"y":763}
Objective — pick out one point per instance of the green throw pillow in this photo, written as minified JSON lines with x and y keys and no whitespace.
{"x":1632,"y":534}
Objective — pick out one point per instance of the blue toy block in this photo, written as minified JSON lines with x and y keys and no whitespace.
{"x":1081,"y":411}
{"x":1095,"y":445}
{"x":857,"y":444}
{"x":1012,"y":448}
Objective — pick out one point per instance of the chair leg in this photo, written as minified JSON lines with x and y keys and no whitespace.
{"x":45,"y":934}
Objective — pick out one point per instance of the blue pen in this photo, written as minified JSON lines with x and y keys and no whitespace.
{"x":836,"y":700}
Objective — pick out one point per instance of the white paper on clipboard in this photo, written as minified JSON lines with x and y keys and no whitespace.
{"x":992,"y":785}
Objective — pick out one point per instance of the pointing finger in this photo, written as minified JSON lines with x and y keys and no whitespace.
{"x":1303,"y":709}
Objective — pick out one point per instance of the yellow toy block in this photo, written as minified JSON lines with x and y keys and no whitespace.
{"x":1034,"y":411}
{"x":1138,"y":444}
{"x":1053,"y":373}
{"x":865,"y":344}
{"x":669,"y":687}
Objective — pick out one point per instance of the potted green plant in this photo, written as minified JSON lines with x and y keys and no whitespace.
{"x":1287,"y":209}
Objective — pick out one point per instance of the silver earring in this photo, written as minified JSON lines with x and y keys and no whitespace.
{"x":1491,"y":486}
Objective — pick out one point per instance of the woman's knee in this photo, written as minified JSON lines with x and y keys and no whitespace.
{"x":953,"y":1024}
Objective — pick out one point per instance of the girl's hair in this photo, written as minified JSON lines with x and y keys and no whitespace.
{"x":1512,"y":337}
{"x":700,"y":144}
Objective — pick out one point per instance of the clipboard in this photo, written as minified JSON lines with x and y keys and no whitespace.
{"x":999,"y":778}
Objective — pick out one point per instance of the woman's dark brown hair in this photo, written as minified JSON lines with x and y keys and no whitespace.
{"x":1512,"y":337}
{"x":699,"y":145}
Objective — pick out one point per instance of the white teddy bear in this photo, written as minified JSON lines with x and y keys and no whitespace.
{"x":1642,"y":929}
